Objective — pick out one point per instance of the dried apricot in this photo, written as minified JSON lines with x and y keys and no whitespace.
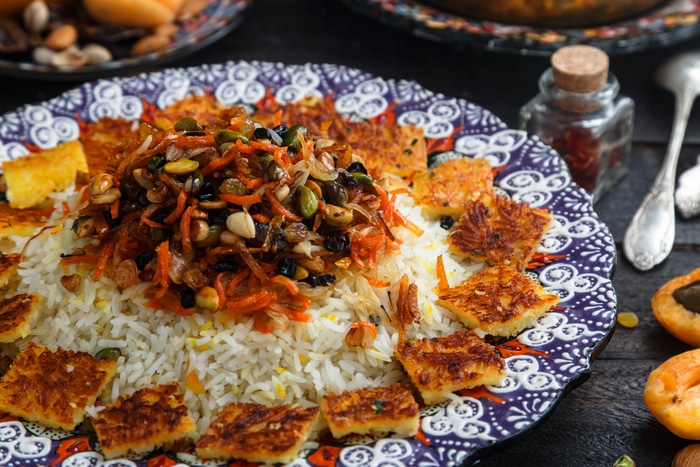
{"x":672,"y":394}
{"x":677,"y":318}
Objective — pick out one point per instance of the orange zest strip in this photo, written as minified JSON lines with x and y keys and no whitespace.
{"x":242,"y":200}
{"x":441,"y":274}
{"x":277,"y":206}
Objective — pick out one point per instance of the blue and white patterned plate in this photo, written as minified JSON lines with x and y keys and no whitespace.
{"x":543,"y":363}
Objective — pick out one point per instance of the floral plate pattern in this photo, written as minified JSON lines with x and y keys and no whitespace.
{"x":543,"y":363}
{"x":671,"y":22}
{"x":216,"y":20}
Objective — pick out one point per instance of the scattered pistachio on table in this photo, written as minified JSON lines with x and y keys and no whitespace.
{"x":624,"y":461}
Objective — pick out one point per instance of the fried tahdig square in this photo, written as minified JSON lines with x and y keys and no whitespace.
{"x":391,"y":409}
{"x":441,"y":365}
{"x":21,"y":222}
{"x":53,"y":387}
{"x":32,"y":178}
{"x":497,"y":230}
{"x":500,"y":300}
{"x":9,"y":263}
{"x":443,"y":191}
{"x":17,"y":313}
{"x":143,"y":421}
{"x":258,"y":433}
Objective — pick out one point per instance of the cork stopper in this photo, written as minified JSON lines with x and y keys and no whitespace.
{"x":580,"y":68}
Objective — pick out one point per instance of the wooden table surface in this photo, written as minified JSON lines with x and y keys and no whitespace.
{"x":606,"y":416}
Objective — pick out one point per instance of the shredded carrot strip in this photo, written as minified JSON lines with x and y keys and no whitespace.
{"x":220,"y":287}
{"x":290,"y":313}
{"x":248,"y":304}
{"x":153,"y":224}
{"x":179,"y":207}
{"x":161,"y":276}
{"x":237,"y":278}
{"x":261,"y":218}
{"x":243,"y":200}
{"x":219,"y":163}
{"x":114,"y":209}
{"x":277,"y":206}
{"x":376,"y":283}
{"x":262,"y":146}
{"x":78,"y":259}
{"x":288,"y":283}
{"x":278,"y":117}
{"x":441,"y":274}
{"x":66,"y":208}
{"x":104,"y":253}
{"x":245,"y":148}
{"x":169,"y":303}
{"x":185,"y":227}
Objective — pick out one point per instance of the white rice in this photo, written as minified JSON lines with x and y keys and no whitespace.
{"x":233,"y":361}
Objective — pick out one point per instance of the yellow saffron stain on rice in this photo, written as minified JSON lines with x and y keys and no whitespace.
{"x":203,"y":347}
{"x":57,"y":229}
{"x":206,"y":326}
{"x":191,"y":341}
{"x":101,"y":303}
{"x":303,"y":359}
{"x":280,"y":370}
{"x":330,"y":317}
{"x":280,"y":390}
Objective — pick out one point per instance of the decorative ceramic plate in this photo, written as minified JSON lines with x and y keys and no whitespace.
{"x":543,"y":363}
{"x":671,"y":22}
{"x":218,"y":19}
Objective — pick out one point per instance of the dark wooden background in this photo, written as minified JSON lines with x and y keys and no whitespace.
{"x":606,"y":416}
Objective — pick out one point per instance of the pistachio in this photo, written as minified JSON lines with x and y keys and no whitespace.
{"x":229,"y":136}
{"x":149,"y":44}
{"x":97,"y":54}
{"x":207,"y":298}
{"x":36,"y":16}
{"x":101,"y":183}
{"x":337,"y":216}
{"x":109,"y":353}
{"x":293,"y":138}
{"x":187,"y":124}
{"x":71,"y":56}
{"x":62,"y":37}
{"x":307,"y":202}
{"x":241,"y":224}
{"x":213,"y":237}
{"x":181,"y":166}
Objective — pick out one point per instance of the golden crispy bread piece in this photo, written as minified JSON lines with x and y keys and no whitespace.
{"x":30,"y":179}
{"x":441,"y":365}
{"x":390,"y":409}
{"x":17,"y":314}
{"x":257,"y":433}
{"x":443,"y":191}
{"x":143,"y":421}
{"x":53,"y":387}
{"x":9,"y":262}
{"x":497,"y":230}
{"x":22,"y":222}
{"x":500,"y":300}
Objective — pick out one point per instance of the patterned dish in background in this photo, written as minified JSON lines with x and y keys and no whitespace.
{"x":543,"y":363}
{"x":670,"y":22}
{"x":218,"y":19}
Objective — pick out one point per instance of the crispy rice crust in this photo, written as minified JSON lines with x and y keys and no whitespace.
{"x":441,"y":365}
{"x":53,"y":387}
{"x":56,"y":168}
{"x":382,"y":410}
{"x":499,"y":300}
{"x":143,"y":421}
{"x":497,"y":230}
{"x":17,"y":313}
{"x":9,"y":263}
{"x":257,"y":433}
{"x":22,"y":222}
{"x":444,"y":190}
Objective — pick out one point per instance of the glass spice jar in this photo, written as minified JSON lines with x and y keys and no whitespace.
{"x":579,"y":113}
